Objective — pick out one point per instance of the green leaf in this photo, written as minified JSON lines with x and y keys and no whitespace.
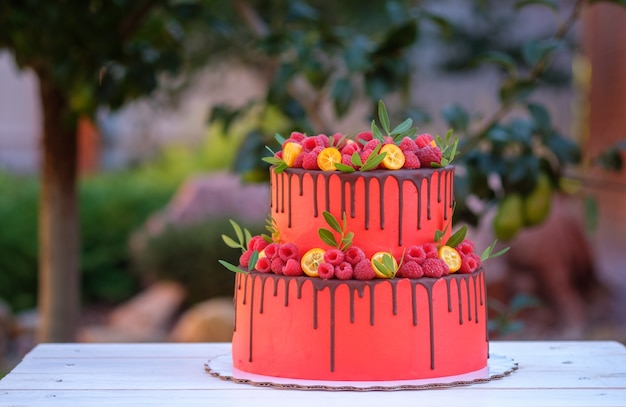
{"x":254,"y":258}
{"x":344,"y":168}
{"x":535,"y":50}
{"x":332,"y":221}
{"x":402,"y":127}
{"x":346,"y":241}
{"x":381,"y":267}
{"x":248,"y":237}
{"x":500,"y":58}
{"x":383,"y":116}
{"x":238,"y":232}
{"x":373,"y":161}
{"x":457,"y":237}
{"x":231,"y":267}
{"x":548,"y":3}
{"x":230,"y":242}
{"x":376,"y":131}
{"x":327,"y":237}
{"x":279,"y":139}
{"x":356,"y":160}
{"x":438,"y":236}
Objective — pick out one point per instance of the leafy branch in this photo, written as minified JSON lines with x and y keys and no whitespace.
{"x":328,"y":237}
{"x":399,"y":132}
{"x":243,"y":237}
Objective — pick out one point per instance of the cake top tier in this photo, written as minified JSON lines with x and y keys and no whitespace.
{"x":388,"y":148}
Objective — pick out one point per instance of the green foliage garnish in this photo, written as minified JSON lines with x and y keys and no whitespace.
{"x":387,"y":266}
{"x":279,"y":164}
{"x":399,"y":132}
{"x":487,"y":253}
{"x":448,"y":147}
{"x":328,"y":236}
{"x":243,"y":237}
{"x":272,"y":227}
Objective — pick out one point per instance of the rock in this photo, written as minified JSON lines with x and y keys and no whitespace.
{"x":220,"y":194}
{"x":209,"y":321}
{"x":145,"y":318}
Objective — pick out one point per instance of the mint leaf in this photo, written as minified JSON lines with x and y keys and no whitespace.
{"x":332,"y":221}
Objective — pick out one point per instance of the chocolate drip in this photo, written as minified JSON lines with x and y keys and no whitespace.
{"x":355,"y":286}
{"x":400,"y":210}
{"x":314,"y":176}
{"x":445,"y":195}
{"x":282,"y":192}
{"x":289,"y":201}
{"x":367,"y":182}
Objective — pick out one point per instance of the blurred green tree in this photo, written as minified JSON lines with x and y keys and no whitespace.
{"x":85,"y":54}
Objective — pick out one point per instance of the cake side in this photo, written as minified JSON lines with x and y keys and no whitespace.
{"x":386,"y":210}
{"x":398,"y":329}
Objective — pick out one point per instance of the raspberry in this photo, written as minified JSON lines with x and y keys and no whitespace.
{"x":339,"y":140}
{"x":465,"y":247}
{"x":279,"y":154}
{"x":364,"y":137}
{"x":288,"y":251}
{"x":277,"y":265}
{"x":322,"y":140}
{"x":407,"y":144}
{"x":415,"y":253}
{"x":429,"y":155}
{"x":365,"y":155}
{"x":309,"y":161}
{"x":309,"y":143}
{"x":435,"y":268}
{"x":293,"y":268}
{"x":244,"y":259}
{"x":372,"y":144}
{"x":423,"y":140}
{"x":363,"y":270}
{"x":263,"y":265}
{"x":326,"y":271}
{"x":347,"y":160}
{"x":298,"y":161}
{"x":257,"y":243}
{"x":350,"y":148}
{"x":297,"y":136}
{"x":411,"y":162}
{"x":431,"y":250}
{"x":271,"y":251}
{"x":290,"y":140}
{"x":344,"y":271}
{"x":354,"y":255}
{"x":410,"y":269}
{"x":333,"y":256}
{"x":469,"y":263}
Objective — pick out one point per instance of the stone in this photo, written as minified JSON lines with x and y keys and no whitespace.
{"x":209,"y":321}
{"x":145,"y":318}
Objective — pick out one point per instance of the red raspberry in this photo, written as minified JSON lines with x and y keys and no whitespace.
{"x":309,"y":161}
{"x":277,"y":265}
{"x":469,"y":263}
{"x":290,"y":140}
{"x":465,"y":247}
{"x":322,"y":140}
{"x":364,"y":137}
{"x":415,"y":253}
{"x":431,"y":250}
{"x":279,"y":154}
{"x":372,"y":144}
{"x":244,"y":259}
{"x":297,"y":163}
{"x":339,"y":141}
{"x":388,"y":140}
{"x":271,"y":250}
{"x":407,"y":144}
{"x":364,"y":271}
{"x":309,"y":143}
{"x":257,"y":243}
{"x":297,"y":136}
{"x":411,"y":162}
{"x":435,"y":268}
{"x":350,"y":148}
{"x":410,"y":269}
{"x":326,"y":271}
{"x":263,"y":265}
{"x":429,"y":155}
{"x":288,"y":251}
{"x":344,"y":271}
{"x":293,"y":268}
{"x":365,"y":155}
{"x":423,"y":140}
{"x":354,"y":255}
{"x":333,"y":256}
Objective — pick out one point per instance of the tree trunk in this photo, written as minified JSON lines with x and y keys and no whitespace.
{"x":58,"y":220}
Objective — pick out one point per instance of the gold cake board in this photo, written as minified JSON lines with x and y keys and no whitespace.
{"x":498,"y":366}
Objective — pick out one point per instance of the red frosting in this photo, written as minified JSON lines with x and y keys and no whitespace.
{"x":305,"y":328}
{"x":383,"y":216}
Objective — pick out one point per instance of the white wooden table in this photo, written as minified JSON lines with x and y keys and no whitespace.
{"x":550,"y":374}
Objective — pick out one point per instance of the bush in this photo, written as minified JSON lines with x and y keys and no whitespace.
{"x":189,"y":255}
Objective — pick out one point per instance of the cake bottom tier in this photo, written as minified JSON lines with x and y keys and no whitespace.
{"x":399,"y":329}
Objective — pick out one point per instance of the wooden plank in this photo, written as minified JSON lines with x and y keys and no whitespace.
{"x":127,"y":350}
{"x":289,"y":398}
